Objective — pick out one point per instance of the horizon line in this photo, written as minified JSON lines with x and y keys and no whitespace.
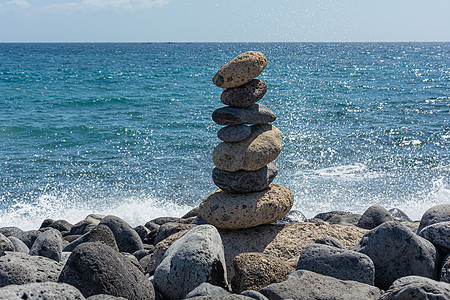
{"x":204,"y":42}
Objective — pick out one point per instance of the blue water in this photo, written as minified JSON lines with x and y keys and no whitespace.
{"x":126,"y":129}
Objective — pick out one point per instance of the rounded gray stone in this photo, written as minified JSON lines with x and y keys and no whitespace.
{"x":170,"y":228}
{"x":207,"y":289}
{"x":436,"y":214}
{"x":294,"y":216}
{"x":374,"y":216}
{"x":253,"y":114}
{"x":234,"y":133}
{"x":254,"y":295}
{"x":5,"y":245}
{"x":445,"y":270}
{"x":439,"y":235}
{"x":244,"y":95}
{"x":338,"y":263}
{"x":19,"y":246}
{"x":245,"y":181}
{"x":399,"y":215}
{"x":126,"y":237}
{"x":40,"y":291}
{"x":48,"y":244}
{"x":330,"y":242}
{"x":417,"y":287}
{"x":28,"y":237}
{"x":101,"y":233}
{"x":398,"y":252}
{"x":194,"y":258}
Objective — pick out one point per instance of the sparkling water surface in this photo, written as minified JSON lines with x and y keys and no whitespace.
{"x":126,"y":129}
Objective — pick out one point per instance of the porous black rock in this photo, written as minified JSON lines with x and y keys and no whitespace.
{"x":439,"y":235}
{"x":436,"y":214}
{"x":61,"y":225}
{"x":170,"y":228}
{"x":95,"y":268}
{"x":10,"y":230}
{"x":399,"y":215}
{"x":28,"y":237}
{"x":40,"y":291}
{"x":162,"y":220}
{"x":126,"y":238}
{"x":244,"y":95}
{"x":330,"y":242}
{"x":234,"y":133}
{"x":245,"y":181}
{"x":254,"y":295}
{"x":142,"y":231}
{"x":398,"y":252}
{"x":19,"y":246}
{"x":417,"y":287}
{"x":48,"y":244}
{"x":101,"y":233}
{"x":254,"y":114}
{"x":445,"y":270}
{"x":206,"y":289}
{"x":5,"y":245}
{"x":374,"y":216}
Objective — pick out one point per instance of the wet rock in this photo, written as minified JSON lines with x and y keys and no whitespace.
{"x":253,"y":114}
{"x":397,"y":252}
{"x":194,"y":258}
{"x":436,"y":214}
{"x":307,"y":285}
{"x":245,"y":181}
{"x":240,"y":70}
{"x":417,"y":287}
{"x":374,"y":216}
{"x":338,"y":263}
{"x":95,"y":268}
{"x":126,"y":238}
{"x":235,"y":211}
{"x":40,"y":291}
{"x":439,"y":235}
{"x":244,"y":95}
{"x":48,"y":244}
{"x":253,"y":271}
{"x":234,"y":133}
{"x":207,"y":289}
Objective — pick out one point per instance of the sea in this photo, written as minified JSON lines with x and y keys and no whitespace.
{"x":126,"y":128}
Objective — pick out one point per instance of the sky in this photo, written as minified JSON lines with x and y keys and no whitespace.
{"x":224,"y":21}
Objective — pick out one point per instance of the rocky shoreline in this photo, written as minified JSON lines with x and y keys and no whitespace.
{"x":335,"y":255}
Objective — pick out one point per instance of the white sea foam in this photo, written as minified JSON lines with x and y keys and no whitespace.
{"x":355,"y":171}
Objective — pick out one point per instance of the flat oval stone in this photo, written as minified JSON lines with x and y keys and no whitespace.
{"x":253,"y":114}
{"x":234,"y":133}
{"x":262,"y":147}
{"x":245,"y":181}
{"x":235,"y":211}
{"x":240,"y":70}
{"x":244,"y":95}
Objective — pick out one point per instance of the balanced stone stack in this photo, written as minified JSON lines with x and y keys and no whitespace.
{"x":244,"y":160}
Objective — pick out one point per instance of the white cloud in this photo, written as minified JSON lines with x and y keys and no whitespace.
{"x":19,"y":3}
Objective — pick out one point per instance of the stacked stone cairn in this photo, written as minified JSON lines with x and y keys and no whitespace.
{"x":244,"y":159}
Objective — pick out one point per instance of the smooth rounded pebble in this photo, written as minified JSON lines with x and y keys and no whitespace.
{"x":245,"y":181}
{"x":262,"y":147}
{"x":234,"y":133}
{"x":253,"y":114}
{"x":244,"y":95}
{"x":126,"y":238}
{"x":240,"y":70}
{"x":236,"y":211}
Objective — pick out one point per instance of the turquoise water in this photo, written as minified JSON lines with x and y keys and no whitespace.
{"x":126,"y":128}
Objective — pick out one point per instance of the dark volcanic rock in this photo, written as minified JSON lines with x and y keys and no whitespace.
{"x":349,"y":219}
{"x":307,"y":285}
{"x":192,"y":213}
{"x":254,"y":295}
{"x":234,"y":133}
{"x":28,"y":237}
{"x":374,"y":216}
{"x":330,"y":242}
{"x":61,"y":225}
{"x":207,"y":289}
{"x":328,"y":215}
{"x":40,"y":291}
{"x":397,"y":252}
{"x":162,"y":220}
{"x":399,"y":215}
{"x":48,"y":244}
{"x":439,"y":235}
{"x":95,"y":268}
{"x":21,"y":268}
{"x":416,"y":287}
{"x":11,"y":230}
{"x":101,"y":233}
{"x":436,"y":214}
{"x":245,"y":181}
{"x":142,"y":231}
{"x":244,"y":95}
{"x":445,"y":270}
{"x":338,"y":263}
{"x":19,"y":246}
{"x":294,"y":216}
{"x":126,"y":238}
{"x":194,"y":258}
{"x":168,"y":229}
{"x":254,"y":114}
{"x":5,"y":245}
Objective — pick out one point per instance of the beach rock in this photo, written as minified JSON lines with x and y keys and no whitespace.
{"x":349,"y":219}
{"x":234,"y":133}
{"x":253,"y":271}
{"x":101,"y":233}
{"x":5,"y":245}
{"x":374,"y":216}
{"x":60,"y":225}
{"x":162,"y":220}
{"x":284,"y":241}
{"x":48,"y":244}
{"x":307,"y":285}
{"x":95,"y":268}
{"x":167,"y":229}
{"x":245,"y":181}
{"x":192,"y":213}
{"x":338,"y":263}
{"x":235,"y":211}
{"x":40,"y":291}
{"x":142,"y":231}
{"x":445,"y":270}
{"x":436,"y":214}
{"x":21,"y":268}
{"x":244,"y":95}
{"x":253,"y":114}
{"x":294,"y":216}
{"x":19,"y":246}
{"x":399,"y":215}
{"x":240,"y":70}
{"x":222,"y":297}
{"x":141,"y":254}
{"x":194,"y":258}
{"x":330,"y":242}
{"x":28,"y":237}
{"x":261,"y":148}
{"x":397,"y":252}
{"x":439,"y":235}
{"x":206,"y":289}
{"x":84,"y":226}
{"x":417,"y":287}
{"x":254,"y":295}
{"x":10,"y":230}
{"x":331,"y":214}
{"x":126,"y":238}
{"x":105,"y":297}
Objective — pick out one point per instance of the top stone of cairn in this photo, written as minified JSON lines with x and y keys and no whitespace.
{"x":240,"y":70}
